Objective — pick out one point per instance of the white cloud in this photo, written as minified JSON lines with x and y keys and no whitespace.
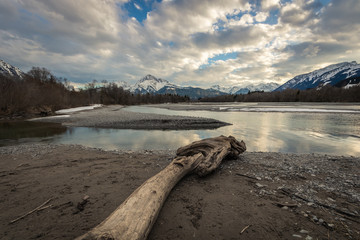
{"x":311,"y":51}
{"x":90,"y":39}
{"x":269,"y":4}
{"x":137,"y":6}
{"x":261,"y":16}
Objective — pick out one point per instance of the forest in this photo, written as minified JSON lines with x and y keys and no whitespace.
{"x":40,"y":93}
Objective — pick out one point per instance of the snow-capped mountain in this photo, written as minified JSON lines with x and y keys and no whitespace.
{"x":329,"y":75}
{"x":9,"y":70}
{"x":150,"y":84}
{"x":266,"y":87}
{"x":153,"y":85}
{"x":123,"y":84}
{"x":230,"y":90}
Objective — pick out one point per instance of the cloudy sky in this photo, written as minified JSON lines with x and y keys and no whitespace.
{"x":188,"y":42}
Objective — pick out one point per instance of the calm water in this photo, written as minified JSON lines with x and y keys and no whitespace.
{"x":297,"y":132}
{"x":17,"y":132}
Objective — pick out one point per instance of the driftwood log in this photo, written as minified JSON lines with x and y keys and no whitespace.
{"x":134,"y":218}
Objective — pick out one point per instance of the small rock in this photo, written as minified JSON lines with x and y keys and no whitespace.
{"x":308,"y":238}
{"x":310,"y":204}
{"x":259,"y":185}
{"x":304,"y":231}
{"x":315,"y":218}
{"x":331,"y":225}
{"x":321,"y":220}
{"x":262,"y":192}
{"x":330,"y":199}
{"x":258,"y":178}
{"x":297,"y":236}
{"x":285,"y":207}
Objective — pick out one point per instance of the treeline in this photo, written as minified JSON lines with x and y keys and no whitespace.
{"x":41,"y":93}
{"x":325,"y":94}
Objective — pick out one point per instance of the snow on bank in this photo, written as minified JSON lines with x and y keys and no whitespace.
{"x":50,"y":117}
{"x":285,"y":109}
{"x":78,"y":109}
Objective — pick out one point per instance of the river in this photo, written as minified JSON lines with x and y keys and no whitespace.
{"x":295,"y":128}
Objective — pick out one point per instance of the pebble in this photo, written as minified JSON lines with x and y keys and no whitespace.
{"x":259,"y":185}
{"x":297,"y":236}
{"x":308,"y":238}
{"x":304,"y":231}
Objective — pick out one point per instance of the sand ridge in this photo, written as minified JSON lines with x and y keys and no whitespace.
{"x":114,"y":116}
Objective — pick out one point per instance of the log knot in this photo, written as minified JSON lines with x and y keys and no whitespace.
{"x":213,"y":151}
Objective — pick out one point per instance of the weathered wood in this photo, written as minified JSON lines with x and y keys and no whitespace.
{"x":134,"y":218}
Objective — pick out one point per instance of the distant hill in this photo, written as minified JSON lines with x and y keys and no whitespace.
{"x":9,"y":70}
{"x":332,"y":75}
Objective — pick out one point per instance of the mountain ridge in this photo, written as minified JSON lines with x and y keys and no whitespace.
{"x":345,"y":75}
{"x":149,"y":84}
{"x":331,"y":74}
{"x":9,"y":70}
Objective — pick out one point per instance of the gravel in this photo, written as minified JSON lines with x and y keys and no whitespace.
{"x":115,"y":117}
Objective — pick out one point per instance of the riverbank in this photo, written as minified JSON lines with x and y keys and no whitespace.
{"x":257,"y":196}
{"x":114,"y":116}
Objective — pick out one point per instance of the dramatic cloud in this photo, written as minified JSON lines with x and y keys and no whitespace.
{"x":188,"y":42}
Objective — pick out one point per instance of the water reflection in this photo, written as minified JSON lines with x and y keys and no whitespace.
{"x":24,"y":131}
{"x":330,"y":133}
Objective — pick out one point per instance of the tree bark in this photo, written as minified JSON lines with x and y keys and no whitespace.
{"x":134,"y":218}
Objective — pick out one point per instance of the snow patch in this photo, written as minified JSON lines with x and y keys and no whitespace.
{"x":50,"y":117}
{"x":78,"y":109}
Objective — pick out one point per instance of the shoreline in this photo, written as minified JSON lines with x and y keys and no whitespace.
{"x":260,"y":195}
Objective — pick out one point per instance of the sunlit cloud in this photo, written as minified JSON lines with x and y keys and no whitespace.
{"x":186,"y":42}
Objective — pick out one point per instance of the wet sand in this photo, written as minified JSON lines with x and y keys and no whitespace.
{"x":257,"y":196}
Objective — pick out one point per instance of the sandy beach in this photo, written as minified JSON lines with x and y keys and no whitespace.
{"x":259,"y":195}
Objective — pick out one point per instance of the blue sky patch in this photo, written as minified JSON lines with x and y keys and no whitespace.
{"x":272,"y":19}
{"x":219,"y":57}
{"x":139,"y":9}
